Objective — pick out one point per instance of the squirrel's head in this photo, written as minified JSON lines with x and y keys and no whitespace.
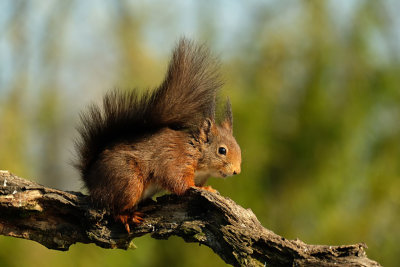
{"x":221,"y":153}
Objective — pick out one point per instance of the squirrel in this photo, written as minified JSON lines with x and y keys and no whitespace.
{"x":136,"y":145}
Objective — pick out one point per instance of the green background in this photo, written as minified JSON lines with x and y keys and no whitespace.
{"x":315,"y":92}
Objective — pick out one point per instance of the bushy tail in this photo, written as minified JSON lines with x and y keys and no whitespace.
{"x":184,"y":99}
{"x":188,"y":92}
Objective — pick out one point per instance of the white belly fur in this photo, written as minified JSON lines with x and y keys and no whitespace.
{"x":200,"y":177}
{"x":150,"y":191}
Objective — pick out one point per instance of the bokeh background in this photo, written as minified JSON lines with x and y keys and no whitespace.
{"x":315,"y":92}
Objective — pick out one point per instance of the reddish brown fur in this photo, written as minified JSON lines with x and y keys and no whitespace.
{"x":167,"y":140}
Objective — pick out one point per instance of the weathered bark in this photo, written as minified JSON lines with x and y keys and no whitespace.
{"x":58,"y":219}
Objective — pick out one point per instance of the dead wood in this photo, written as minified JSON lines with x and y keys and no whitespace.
{"x":58,"y":219}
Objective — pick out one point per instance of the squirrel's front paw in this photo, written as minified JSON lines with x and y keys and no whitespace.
{"x":207,"y":188}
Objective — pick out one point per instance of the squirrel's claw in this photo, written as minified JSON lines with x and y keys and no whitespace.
{"x":124,"y":220}
{"x":127,"y":228}
{"x":136,"y":217}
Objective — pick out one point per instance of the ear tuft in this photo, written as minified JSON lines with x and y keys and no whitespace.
{"x":227,"y":123}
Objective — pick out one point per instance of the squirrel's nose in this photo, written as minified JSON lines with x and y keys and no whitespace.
{"x":236,"y":172}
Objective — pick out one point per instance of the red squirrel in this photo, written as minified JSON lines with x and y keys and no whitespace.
{"x":135,"y":145}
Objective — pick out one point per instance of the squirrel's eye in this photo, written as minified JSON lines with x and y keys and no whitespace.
{"x":222,"y":150}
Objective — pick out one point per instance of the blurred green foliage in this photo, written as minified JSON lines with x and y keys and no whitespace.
{"x":315,"y":93}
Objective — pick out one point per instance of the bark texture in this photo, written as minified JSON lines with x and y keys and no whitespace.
{"x":58,"y":219}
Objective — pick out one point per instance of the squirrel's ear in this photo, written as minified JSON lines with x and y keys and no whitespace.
{"x":206,"y":130}
{"x":227,"y":123}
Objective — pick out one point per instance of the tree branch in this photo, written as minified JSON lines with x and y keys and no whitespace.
{"x":58,"y":219}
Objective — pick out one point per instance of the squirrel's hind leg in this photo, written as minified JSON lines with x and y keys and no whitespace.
{"x":130,"y":192}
